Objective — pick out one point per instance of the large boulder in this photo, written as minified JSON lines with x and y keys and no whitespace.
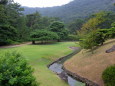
{"x":63,"y":75}
{"x":111,"y":49}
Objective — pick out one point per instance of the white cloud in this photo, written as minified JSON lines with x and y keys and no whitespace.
{"x":42,"y":3}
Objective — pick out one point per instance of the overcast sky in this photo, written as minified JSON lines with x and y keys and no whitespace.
{"x":42,"y":3}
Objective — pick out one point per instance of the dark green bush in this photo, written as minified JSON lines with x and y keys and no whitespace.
{"x":14,"y":71}
{"x":109,"y":76}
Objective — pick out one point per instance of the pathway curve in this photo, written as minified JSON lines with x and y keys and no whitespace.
{"x":17,"y":45}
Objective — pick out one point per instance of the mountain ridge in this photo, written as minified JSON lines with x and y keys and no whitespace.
{"x":74,"y":9}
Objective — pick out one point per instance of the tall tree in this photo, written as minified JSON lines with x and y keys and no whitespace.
{"x":33,"y":20}
{"x":59,"y":28}
{"x":13,"y":11}
{"x":22,"y":29}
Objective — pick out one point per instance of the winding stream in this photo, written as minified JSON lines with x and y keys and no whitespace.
{"x":57,"y":68}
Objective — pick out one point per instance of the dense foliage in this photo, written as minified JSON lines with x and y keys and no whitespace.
{"x":36,"y":21}
{"x":16,"y":27}
{"x":100,"y":20}
{"x":109,"y":76}
{"x":89,"y":41}
{"x":14,"y":71}
{"x":75,"y":25}
{"x":7,"y":34}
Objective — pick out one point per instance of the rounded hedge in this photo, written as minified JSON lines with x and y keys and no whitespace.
{"x":109,"y":76}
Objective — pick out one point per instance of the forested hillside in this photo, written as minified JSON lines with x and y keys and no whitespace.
{"x":75,"y":9}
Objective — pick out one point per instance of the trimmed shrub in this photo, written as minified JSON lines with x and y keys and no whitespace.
{"x":43,"y":35}
{"x":109,"y":76}
{"x":14,"y":71}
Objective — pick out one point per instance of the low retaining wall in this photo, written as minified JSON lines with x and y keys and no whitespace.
{"x":79,"y":78}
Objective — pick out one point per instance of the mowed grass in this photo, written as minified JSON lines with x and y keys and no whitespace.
{"x":91,"y":66}
{"x":39,"y":56}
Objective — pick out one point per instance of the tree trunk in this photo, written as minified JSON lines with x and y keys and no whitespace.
{"x":92,"y":50}
{"x":58,"y":40}
{"x":102,"y":43}
{"x":33,"y":42}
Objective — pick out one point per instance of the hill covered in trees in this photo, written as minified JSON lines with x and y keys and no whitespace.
{"x":75,"y":9}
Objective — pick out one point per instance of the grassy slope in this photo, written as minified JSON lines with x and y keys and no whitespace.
{"x":39,"y":56}
{"x":90,"y":65}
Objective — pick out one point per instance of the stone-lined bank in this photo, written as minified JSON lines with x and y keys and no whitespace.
{"x":66,"y":57}
{"x":64,"y":74}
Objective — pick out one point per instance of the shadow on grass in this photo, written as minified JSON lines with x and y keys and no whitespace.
{"x":45,"y":43}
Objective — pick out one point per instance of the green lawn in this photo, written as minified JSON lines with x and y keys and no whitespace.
{"x":39,"y":56}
